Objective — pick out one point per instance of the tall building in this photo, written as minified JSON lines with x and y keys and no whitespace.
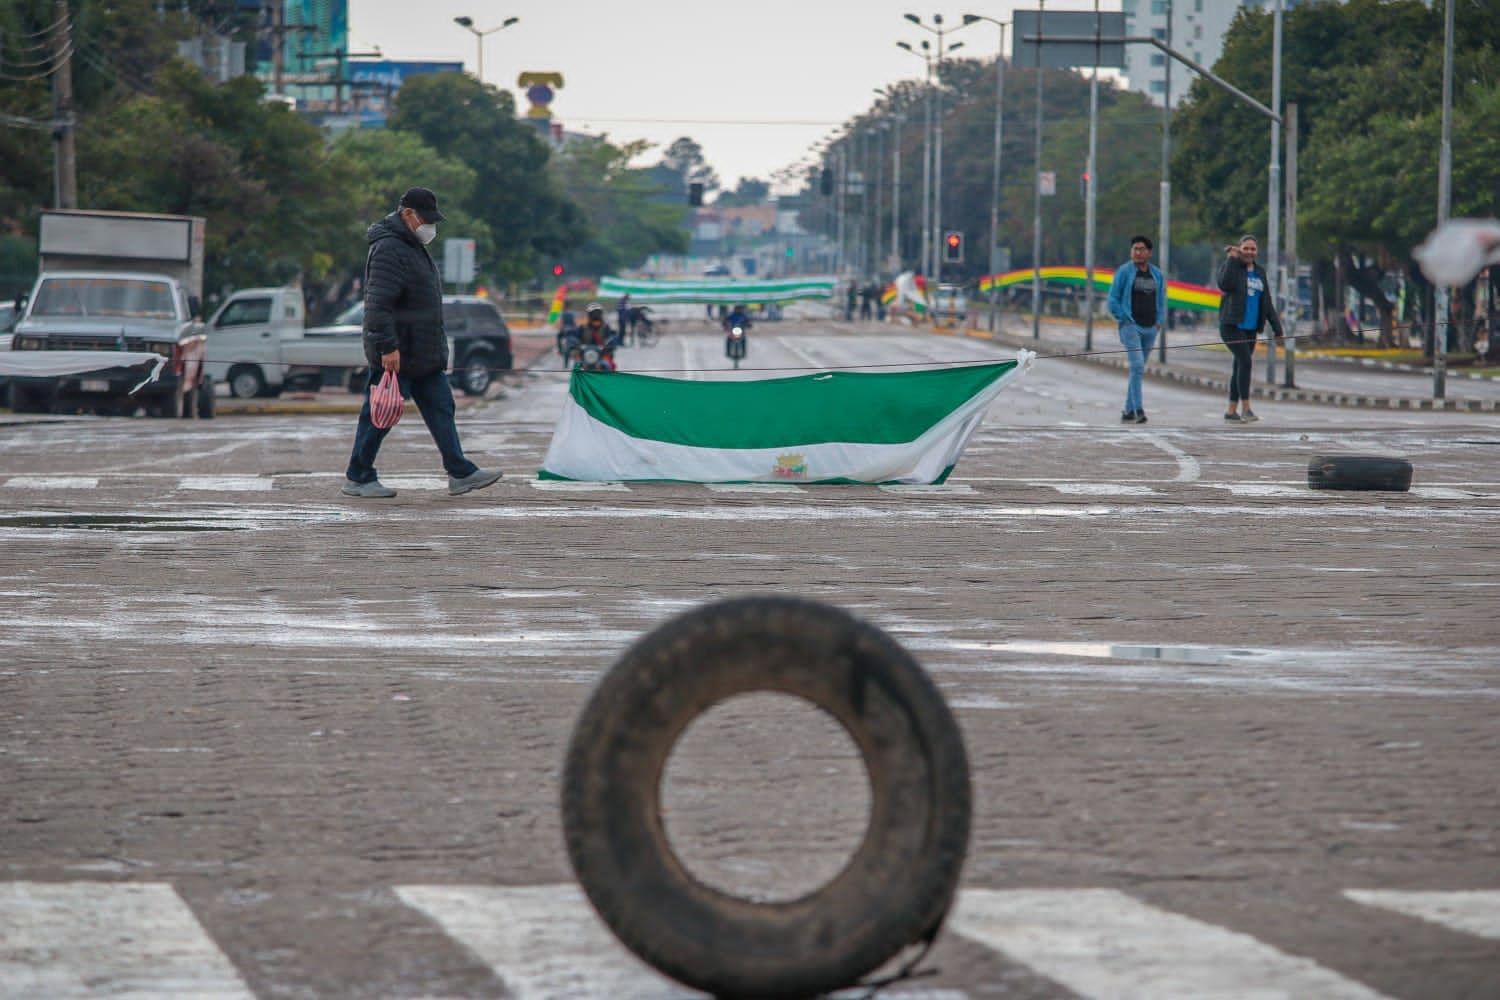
{"x":1198,"y":28}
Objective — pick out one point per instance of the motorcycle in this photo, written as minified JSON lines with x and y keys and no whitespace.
{"x":581,"y":355}
{"x":735,"y":344}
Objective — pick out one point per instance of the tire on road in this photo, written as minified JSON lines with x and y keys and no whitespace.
{"x":1359,"y":472}
{"x":477,"y":373}
{"x":206,"y":399}
{"x":909,"y":859}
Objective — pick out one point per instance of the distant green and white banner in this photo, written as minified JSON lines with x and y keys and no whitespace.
{"x":832,"y":427}
{"x":716,"y":290}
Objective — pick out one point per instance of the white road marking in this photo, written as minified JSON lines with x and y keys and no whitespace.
{"x":1102,"y":943}
{"x":417,"y":483}
{"x":930,"y":489}
{"x":544,"y":942}
{"x":1188,"y":469}
{"x":1472,"y":912}
{"x":101,"y":939}
{"x":1101,"y":489}
{"x":52,"y":482}
{"x":754,"y":488}
{"x":226,"y":484}
{"x":575,"y":486}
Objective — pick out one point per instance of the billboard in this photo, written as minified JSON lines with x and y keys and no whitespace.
{"x":389,"y":73}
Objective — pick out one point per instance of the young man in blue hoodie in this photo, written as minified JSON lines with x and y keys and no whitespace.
{"x":1138,"y":302}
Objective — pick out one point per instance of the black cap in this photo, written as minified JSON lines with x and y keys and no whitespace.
{"x":424,"y":203}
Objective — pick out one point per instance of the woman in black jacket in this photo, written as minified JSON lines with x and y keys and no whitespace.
{"x":1244,"y":308}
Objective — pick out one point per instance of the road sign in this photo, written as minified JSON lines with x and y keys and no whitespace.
{"x":458,"y":261}
{"x":1071,"y":24}
{"x":1048,"y":180}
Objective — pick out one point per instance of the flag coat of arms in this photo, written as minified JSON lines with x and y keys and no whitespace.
{"x":832,"y":427}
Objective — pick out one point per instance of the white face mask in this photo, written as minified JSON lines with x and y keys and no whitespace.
{"x":426,"y":232}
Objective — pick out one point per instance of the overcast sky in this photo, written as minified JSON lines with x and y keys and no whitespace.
{"x":757,"y":83}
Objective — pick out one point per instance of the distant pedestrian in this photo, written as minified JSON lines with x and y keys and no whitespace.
{"x":622,"y":314}
{"x":849,"y":302}
{"x":1244,"y":308}
{"x":1138,"y":302}
{"x":404,"y":335}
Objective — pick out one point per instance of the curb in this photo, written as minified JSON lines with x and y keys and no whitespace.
{"x":1209,"y":382}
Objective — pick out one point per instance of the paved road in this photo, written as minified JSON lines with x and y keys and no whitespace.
{"x":1228,"y":734}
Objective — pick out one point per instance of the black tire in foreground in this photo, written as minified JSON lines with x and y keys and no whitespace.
{"x":898,"y":885}
{"x":1359,"y":472}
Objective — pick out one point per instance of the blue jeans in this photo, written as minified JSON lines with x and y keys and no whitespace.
{"x":1137,"y":341}
{"x":434,"y":399}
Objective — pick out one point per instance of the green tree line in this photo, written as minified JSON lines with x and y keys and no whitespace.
{"x":1366,"y":76}
{"x":284,"y":199}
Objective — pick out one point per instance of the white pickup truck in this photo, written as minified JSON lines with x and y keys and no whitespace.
{"x":258,"y":346}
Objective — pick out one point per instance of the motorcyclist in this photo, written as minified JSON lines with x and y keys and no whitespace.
{"x":599,"y":333}
{"x":738,"y":317}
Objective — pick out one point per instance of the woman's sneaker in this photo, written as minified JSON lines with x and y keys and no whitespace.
{"x":1233,"y":418}
{"x":1128,"y":417}
{"x":1248,"y":418}
{"x":1140,"y":416}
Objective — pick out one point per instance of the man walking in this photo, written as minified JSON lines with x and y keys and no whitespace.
{"x":1138,"y":302}
{"x":404,"y":335}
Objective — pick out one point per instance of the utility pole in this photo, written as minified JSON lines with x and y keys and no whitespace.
{"x":1445,"y":204}
{"x":1273,"y":198}
{"x":1091,"y":181}
{"x":1036,"y":212}
{"x":64,"y":148}
{"x":1295,"y":308}
{"x":1164,"y":234}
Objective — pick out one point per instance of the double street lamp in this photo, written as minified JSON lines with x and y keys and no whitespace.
{"x":993,"y":262}
{"x":468,"y":23}
{"x":936,"y":216}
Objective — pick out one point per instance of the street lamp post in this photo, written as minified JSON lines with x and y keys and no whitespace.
{"x":468,"y":23}
{"x":995,"y":180}
{"x":936,"y":216}
{"x":924,"y":261}
{"x":1036,"y":214}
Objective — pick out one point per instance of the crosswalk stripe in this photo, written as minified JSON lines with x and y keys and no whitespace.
{"x":545,"y":942}
{"x":137,"y":940}
{"x":1474,"y":912}
{"x":52,"y":482}
{"x":1103,"y":943}
{"x":226,"y":484}
{"x":754,"y":488}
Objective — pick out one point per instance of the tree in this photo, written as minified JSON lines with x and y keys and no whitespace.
{"x":751,"y":191}
{"x":1367,"y":79}
{"x":685,"y":160}
{"x":627,"y":220}
{"x":259,"y":172}
{"x":475,"y":124}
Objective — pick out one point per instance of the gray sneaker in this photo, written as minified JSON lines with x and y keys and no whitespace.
{"x":372,"y":490}
{"x":476,"y":480}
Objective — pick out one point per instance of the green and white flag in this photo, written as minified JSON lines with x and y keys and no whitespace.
{"x":833,"y":427}
{"x":726,"y":290}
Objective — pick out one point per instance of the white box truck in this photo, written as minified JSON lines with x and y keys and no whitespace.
{"x":109,"y":282}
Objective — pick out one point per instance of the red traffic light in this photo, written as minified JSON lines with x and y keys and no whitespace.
{"x":954,"y":240}
{"x":557,"y":270}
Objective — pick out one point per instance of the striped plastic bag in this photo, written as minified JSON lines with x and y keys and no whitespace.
{"x":386,"y":404}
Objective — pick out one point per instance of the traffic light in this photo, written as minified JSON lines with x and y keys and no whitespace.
{"x":557,"y":270}
{"x":825,"y":181}
{"x":1083,"y":185}
{"x":953,"y":247}
{"x":695,"y":194}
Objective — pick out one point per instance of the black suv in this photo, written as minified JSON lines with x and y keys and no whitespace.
{"x":481,"y":342}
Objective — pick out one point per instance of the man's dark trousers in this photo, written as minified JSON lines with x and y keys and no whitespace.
{"x":434,"y":399}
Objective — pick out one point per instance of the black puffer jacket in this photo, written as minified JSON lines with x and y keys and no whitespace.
{"x":403,"y":301}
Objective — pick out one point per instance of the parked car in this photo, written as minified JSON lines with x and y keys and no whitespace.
{"x":951,"y":303}
{"x":478,"y":338}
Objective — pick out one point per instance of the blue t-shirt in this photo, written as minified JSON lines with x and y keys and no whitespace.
{"x":1254,"y":288}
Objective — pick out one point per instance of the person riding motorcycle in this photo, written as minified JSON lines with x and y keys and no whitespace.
{"x":738,"y":317}
{"x":598,"y":333}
